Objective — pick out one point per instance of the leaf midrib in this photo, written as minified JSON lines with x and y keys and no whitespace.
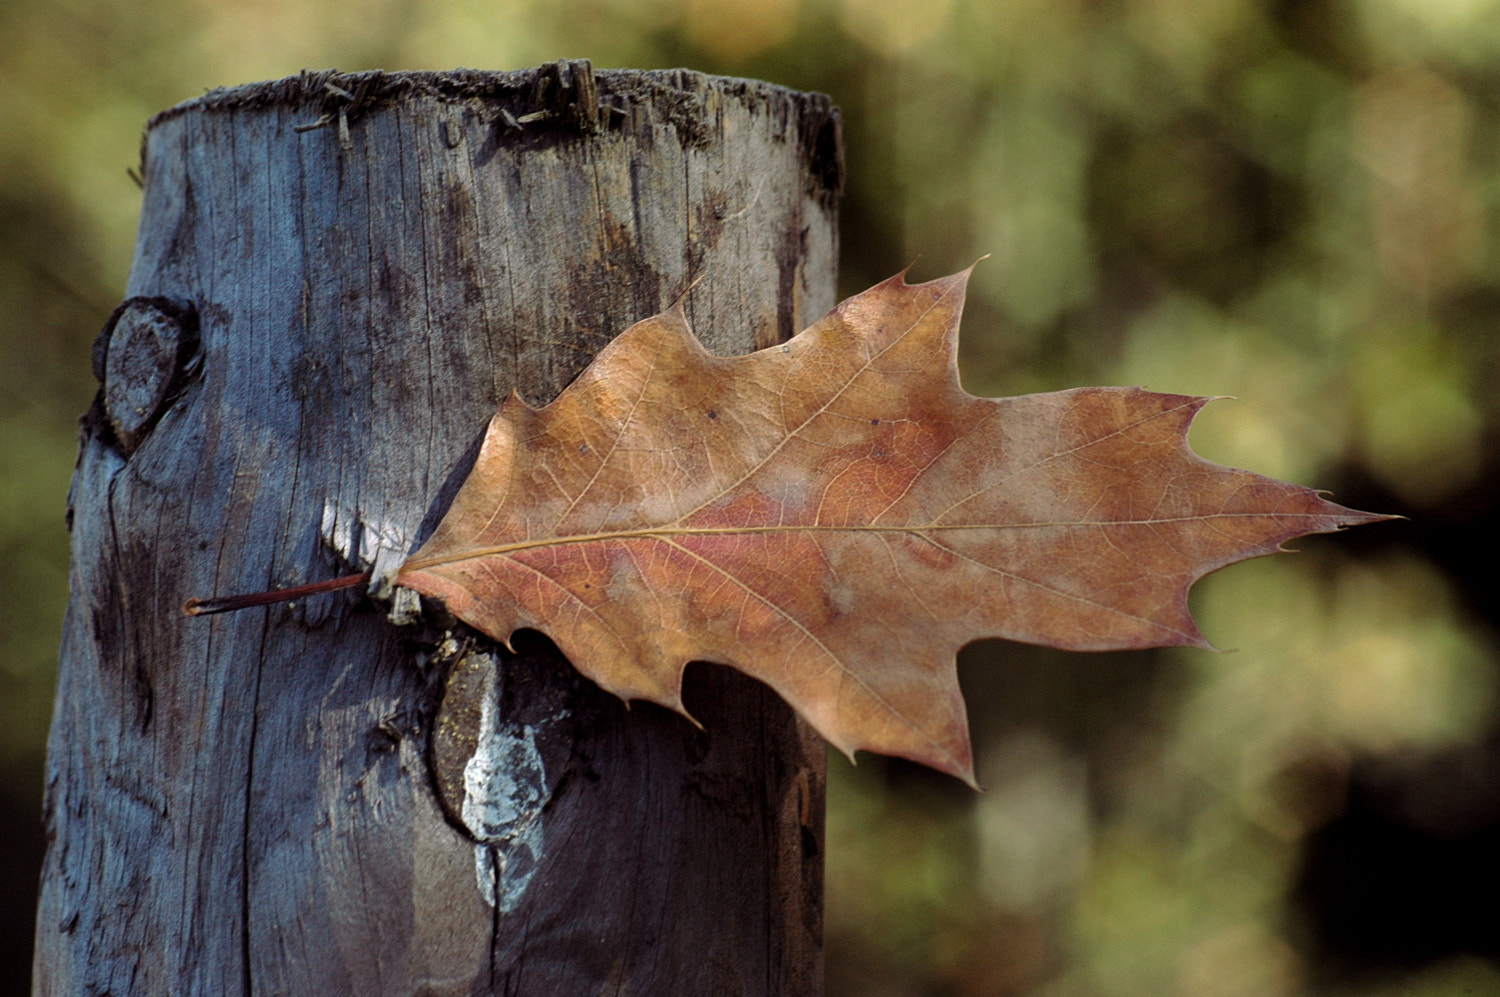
{"x":677,"y":532}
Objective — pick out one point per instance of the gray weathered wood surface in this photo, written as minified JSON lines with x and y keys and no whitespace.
{"x":320,"y":322}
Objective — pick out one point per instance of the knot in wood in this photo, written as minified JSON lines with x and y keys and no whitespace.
{"x":142,"y":357}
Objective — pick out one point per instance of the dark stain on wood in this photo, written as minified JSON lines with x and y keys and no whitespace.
{"x":789,"y":313}
{"x":822,"y":138}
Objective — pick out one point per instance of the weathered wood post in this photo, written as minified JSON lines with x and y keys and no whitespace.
{"x":337,"y":279}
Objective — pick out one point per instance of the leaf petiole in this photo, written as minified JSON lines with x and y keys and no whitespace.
{"x":228,"y":603}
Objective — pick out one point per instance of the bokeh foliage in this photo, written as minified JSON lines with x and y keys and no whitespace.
{"x":1296,"y":203}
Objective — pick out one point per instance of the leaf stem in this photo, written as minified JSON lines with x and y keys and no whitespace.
{"x":227,"y":603}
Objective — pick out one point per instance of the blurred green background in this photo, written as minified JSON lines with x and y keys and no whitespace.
{"x":1296,"y":203}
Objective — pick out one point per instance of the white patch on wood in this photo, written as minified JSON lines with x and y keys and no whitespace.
{"x":380,"y":547}
{"x":505,"y":788}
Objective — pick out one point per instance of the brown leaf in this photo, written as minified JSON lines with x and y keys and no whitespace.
{"x":836,"y":517}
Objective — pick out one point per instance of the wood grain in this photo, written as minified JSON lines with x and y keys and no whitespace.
{"x":242,"y":803}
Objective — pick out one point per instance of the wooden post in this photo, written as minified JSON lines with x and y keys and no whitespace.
{"x":337,"y":279}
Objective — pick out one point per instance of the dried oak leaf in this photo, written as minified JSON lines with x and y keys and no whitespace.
{"x":836,"y":517}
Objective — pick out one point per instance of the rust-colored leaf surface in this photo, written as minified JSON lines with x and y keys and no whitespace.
{"x":836,"y":517}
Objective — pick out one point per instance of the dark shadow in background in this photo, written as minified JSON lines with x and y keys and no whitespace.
{"x":1405,"y":873}
{"x":21,"y":849}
